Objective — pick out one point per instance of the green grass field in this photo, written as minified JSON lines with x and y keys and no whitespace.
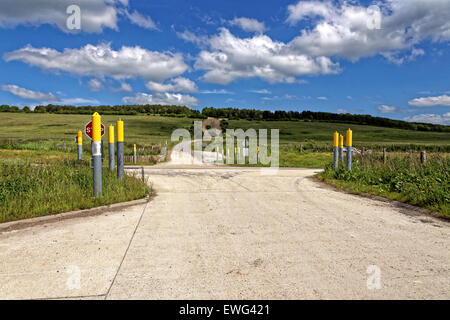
{"x":29,"y":190}
{"x":401,"y":178}
{"x":146,"y":130}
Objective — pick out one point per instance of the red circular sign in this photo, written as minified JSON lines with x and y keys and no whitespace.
{"x":88,"y":129}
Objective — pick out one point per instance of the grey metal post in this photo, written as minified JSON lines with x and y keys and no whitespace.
{"x":384,"y":155}
{"x":101,"y":148}
{"x":134,"y":154}
{"x":341,"y":154}
{"x":97,"y":168}
{"x":335,"y":157}
{"x":80,"y":152}
{"x":120,"y":168}
{"x":111,"y":156}
{"x":349,"y":158}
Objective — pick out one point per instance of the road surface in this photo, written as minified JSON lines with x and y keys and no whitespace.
{"x":233,"y":233}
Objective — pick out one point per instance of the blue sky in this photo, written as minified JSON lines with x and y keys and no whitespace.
{"x":384,"y":58}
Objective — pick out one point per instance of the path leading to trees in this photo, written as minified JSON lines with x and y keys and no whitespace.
{"x":232,"y":233}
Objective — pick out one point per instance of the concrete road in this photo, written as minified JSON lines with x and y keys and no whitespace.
{"x":232,"y":233}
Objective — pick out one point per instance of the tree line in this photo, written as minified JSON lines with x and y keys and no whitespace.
{"x":232,"y":114}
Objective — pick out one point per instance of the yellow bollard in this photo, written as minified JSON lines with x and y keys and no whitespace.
{"x":341,"y":147}
{"x":134,"y":153}
{"x":111,"y":147}
{"x":97,"y":154}
{"x":335,"y":150}
{"x":120,"y":136}
{"x":349,"y":138}
{"x":348,"y":143}
{"x":80,"y":145}
{"x":96,"y":127}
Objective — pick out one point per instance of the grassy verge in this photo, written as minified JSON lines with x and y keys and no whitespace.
{"x":401,"y":179}
{"x":29,"y":190}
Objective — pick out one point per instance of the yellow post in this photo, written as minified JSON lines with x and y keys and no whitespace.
{"x":341,"y":141}
{"x":111,"y":147}
{"x":348,"y":143}
{"x":97,"y":154}
{"x":335,"y":150}
{"x":134,"y":153}
{"x":120,"y":136}
{"x":96,"y":127}
{"x":349,"y":138}
{"x":79,"y":138}
{"x":80,"y":145}
{"x":111,"y":134}
{"x":120,"y":131}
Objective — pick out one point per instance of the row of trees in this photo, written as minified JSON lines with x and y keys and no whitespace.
{"x":232,"y":114}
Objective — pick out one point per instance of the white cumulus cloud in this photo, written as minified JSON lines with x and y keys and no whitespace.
{"x":28,"y":94}
{"x":443,"y":119}
{"x":387,"y":109}
{"x":230,"y":58}
{"x":161,"y":98}
{"x":102,"y":60}
{"x":249,"y":25}
{"x":443,"y":100}
{"x":179,"y":84}
{"x":351,"y":31}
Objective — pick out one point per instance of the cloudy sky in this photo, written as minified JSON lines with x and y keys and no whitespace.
{"x":386,"y":58}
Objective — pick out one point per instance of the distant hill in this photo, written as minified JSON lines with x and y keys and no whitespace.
{"x":233,"y":114}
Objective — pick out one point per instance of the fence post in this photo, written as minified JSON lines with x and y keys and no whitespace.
{"x":335,"y":150}
{"x":423,"y":157}
{"x":134,"y":154}
{"x":349,"y":149}
{"x":111,"y":148}
{"x":80,"y":145}
{"x":384,"y":155}
{"x":97,"y":154}
{"x":341,"y":147}
{"x":120,"y":136}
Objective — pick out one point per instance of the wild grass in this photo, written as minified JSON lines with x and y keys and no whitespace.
{"x":43,"y":131}
{"x":404,"y":179}
{"x":29,"y":189}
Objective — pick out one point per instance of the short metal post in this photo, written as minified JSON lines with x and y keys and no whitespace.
{"x":134,"y":153}
{"x":111,"y":148}
{"x":335,"y":150}
{"x":120,"y":136}
{"x":349,"y":149}
{"x":80,"y":145}
{"x":384,"y":155}
{"x":97,"y":154}
{"x":341,"y":148}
